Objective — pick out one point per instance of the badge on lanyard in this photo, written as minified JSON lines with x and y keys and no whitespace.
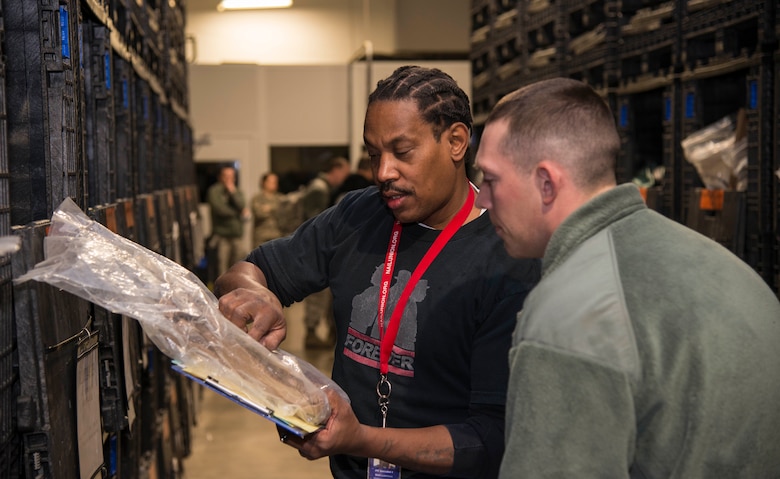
{"x":379,"y":469}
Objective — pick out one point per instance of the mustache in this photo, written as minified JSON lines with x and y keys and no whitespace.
{"x":389,"y":187}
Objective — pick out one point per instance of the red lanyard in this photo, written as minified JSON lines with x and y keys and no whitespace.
{"x":387,"y":338}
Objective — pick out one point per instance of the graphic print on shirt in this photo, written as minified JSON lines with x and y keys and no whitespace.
{"x":362,"y":344}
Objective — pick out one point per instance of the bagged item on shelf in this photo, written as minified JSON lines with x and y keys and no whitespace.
{"x":719,"y":153}
{"x":9,"y":244}
{"x":178,"y":313}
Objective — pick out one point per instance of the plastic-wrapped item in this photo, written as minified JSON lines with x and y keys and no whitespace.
{"x":9,"y":244}
{"x":719,"y":155}
{"x":178,"y":313}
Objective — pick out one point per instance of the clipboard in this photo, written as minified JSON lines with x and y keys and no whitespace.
{"x":293,"y":425}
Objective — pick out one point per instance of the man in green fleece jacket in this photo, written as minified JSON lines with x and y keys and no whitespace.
{"x":647,"y":350}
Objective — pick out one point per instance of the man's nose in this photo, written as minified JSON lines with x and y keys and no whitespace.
{"x":386,"y":170}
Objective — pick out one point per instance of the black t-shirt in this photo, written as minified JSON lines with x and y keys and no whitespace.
{"x":449,"y":363}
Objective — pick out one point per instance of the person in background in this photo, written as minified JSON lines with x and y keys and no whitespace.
{"x":424,"y":296}
{"x":363,"y":177}
{"x":228,"y":213}
{"x":265,"y":208}
{"x":317,"y":198}
{"x":647,"y":350}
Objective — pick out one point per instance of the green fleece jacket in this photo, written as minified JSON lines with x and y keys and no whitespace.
{"x":646,"y":351}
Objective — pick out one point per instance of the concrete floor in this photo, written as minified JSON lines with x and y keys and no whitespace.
{"x":230,"y":441}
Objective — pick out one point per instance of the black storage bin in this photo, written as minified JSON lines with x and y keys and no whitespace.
{"x":648,"y":60}
{"x":154,"y":397}
{"x":544,"y":40}
{"x":185,"y":166}
{"x":49,"y":324}
{"x":163,"y":156}
{"x":723,"y":38}
{"x":186,"y":216}
{"x":113,"y":344}
{"x":672,"y":200}
{"x":10,"y":441}
{"x":640,"y":122}
{"x":99,"y":113}
{"x":719,"y":215}
{"x":174,"y":55}
{"x":147,"y":227}
{"x":143,"y":150}
{"x":124,"y":119}
{"x":591,"y":50}
{"x":481,"y":22}
{"x":482,"y":66}
{"x":507,"y":56}
{"x":5,"y":195}
{"x":43,"y":83}
{"x":166,"y":224}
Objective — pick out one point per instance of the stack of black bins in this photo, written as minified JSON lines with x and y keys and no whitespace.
{"x":93,"y":107}
{"x":10,"y":447}
{"x":591,"y":50}
{"x":99,"y":112}
{"x":667,"y":69}
{"x":47,"y":354}
{"x":42,"y":89}
{"x":726,"y":68}
{"x":646,"y":107}
{"x":120,"y":361}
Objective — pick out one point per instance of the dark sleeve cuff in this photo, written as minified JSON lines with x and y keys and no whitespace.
{"x":479,"y":445}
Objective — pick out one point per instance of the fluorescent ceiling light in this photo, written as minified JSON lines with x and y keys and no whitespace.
{"x":252,"y":4}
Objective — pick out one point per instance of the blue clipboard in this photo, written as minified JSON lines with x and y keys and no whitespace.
{"x":237,"y":398}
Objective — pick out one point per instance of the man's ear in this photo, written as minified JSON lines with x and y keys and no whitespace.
{"x":459,"y":139}
{"x":548,"y":180}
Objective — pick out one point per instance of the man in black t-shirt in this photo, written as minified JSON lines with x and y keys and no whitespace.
{"x":425,"y":296}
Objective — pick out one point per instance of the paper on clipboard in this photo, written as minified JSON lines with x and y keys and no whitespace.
{"x":292,"y":424}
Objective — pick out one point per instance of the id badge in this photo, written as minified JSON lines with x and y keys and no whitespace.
{"x":378,"y":469}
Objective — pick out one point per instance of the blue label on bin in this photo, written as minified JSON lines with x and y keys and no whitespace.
{"x":64,"y":32}
{"x":667,"y":109}
{"x":81,"y":46}
{"x":125,"y":99}
{"x":146,"y":107}
{"x":623,"y":120}
{"x":107,"y":68}
{"x":112,"y":458}
{"x":753,"y":101}
{"x":690,"y":105}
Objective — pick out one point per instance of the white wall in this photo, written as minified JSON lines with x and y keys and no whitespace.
{"x":303,"y":35}
{"x":324,"y":32}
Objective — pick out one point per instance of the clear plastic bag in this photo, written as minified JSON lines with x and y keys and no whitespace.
{"x":177,"y":312}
